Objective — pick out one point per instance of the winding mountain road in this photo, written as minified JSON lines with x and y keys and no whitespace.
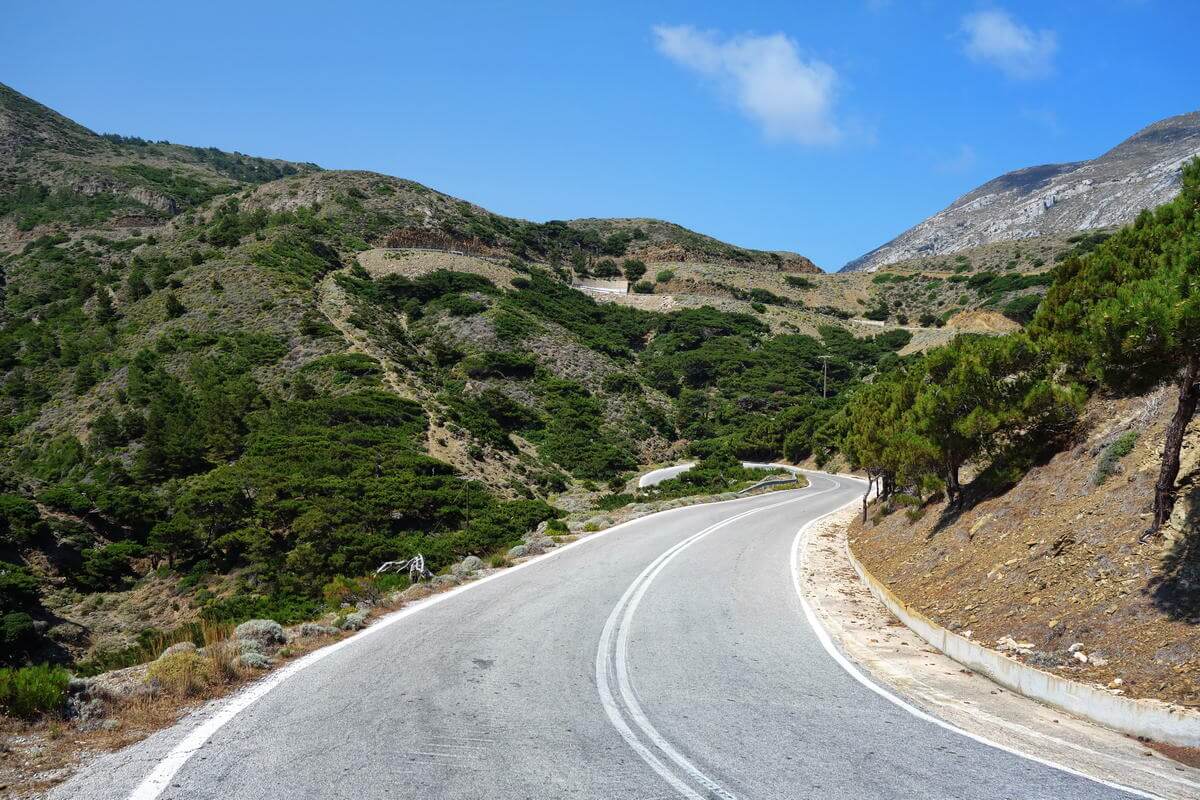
{"x":667,"y":658}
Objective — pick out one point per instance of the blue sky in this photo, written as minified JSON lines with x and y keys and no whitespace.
{"x":824,"y":129}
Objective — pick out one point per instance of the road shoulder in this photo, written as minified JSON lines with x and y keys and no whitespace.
{"x":862,"y":629}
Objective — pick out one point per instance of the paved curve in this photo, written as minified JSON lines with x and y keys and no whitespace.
{"x":657,"y":476}
{"x":667,"y":659}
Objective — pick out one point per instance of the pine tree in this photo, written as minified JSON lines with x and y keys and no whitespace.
{"x":174,"y":306}
{"x":85,"y":375}
{"x":1128,"y":316}
{"x":105,"y":315}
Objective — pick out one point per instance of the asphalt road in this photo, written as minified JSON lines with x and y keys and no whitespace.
{"x":659,"y":475}
{"x":667,"y":659}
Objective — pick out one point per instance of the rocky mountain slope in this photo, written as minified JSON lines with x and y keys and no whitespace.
{"x":53,"y":170}
{"x":1054,"y":199}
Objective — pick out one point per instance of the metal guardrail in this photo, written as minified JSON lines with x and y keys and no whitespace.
{"x":765,"y":482}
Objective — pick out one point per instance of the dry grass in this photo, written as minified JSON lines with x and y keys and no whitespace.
{"x":36,"y":756}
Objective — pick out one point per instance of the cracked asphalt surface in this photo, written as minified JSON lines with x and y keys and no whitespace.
{"x":493,"y":693}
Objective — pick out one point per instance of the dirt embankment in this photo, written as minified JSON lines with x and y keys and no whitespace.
{"x":1055,"y":562}
{"x":981,"y":321}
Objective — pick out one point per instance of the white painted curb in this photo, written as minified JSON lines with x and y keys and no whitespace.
{"x":1151,"y":719}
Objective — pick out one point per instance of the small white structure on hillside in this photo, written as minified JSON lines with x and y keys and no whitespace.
{"x":601,"y":286}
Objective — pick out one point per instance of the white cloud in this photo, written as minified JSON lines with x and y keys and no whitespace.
{"x":996,"y":38}
{"x":765,"y":76}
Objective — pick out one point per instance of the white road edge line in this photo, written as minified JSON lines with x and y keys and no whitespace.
{"x":157,"y":781}
{"x":854,"y":672}
{"x":618,"y":625}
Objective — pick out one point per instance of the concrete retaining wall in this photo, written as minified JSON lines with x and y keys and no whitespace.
{"x":1151,"y":719}
{"x":600,"y":285}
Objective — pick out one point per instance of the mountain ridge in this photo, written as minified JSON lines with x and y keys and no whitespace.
{"x":140,"y":182}
{"x":1141,"y":172}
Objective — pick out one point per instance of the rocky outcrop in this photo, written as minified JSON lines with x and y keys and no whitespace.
{"x":1141,"y":172}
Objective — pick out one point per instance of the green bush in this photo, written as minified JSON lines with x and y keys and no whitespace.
{"x":500,"y":364}
{"x":20,"y":520}
{"x":664,"y":275}
{"x":612,"y":502}
{"x":878,"y":312}
{"x":30,"y":692}
{"x":1112,"y":455}
{"x":1022,"y":309}
{"x":634,"y":269}
{"x":643,"y":287}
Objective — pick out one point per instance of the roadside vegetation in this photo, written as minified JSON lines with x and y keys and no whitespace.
{"x":1118,"y":318}
{"x":194,"y":430}
{"x":221,"y":415}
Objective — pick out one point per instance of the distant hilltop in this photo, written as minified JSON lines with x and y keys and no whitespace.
{"x":1140,"y":173}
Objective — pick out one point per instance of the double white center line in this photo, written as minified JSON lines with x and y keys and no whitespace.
{"x":617,"y":695}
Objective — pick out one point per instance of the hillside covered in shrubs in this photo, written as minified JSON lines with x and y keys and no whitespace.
{"x":210,"y":410}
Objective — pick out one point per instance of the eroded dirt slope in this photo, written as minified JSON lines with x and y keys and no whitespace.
{"x":1057,"y":561}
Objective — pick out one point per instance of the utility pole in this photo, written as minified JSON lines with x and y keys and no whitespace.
{"x":825,"y":384}
{"x":466,"y":486}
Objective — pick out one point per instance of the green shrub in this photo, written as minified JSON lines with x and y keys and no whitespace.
{"x":606,"y":268}
{"x":798,"y":282}
{"x":614,"y":501}
{"x":634,"y":269}
{"x":1022,"y":309}
{"x":20,"y":520}
{"x":500,"y":364}
{"x":1112,"y":455}
{"x":643,"y":287}
{"x":343,"y":591}
{"x":108,"y":568}
{"x":879,"y":312}
{"x":664,"y":275}
{"x":30,"y":692}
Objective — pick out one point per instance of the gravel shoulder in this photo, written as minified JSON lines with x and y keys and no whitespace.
{"x":898,"y":659}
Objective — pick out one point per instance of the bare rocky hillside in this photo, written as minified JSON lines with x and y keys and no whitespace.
{"x":1054,"y":199}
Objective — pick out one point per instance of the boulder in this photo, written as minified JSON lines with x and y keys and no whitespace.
{"x":520,"y":551}
{"x":119,"y":684}
{"x":537,"y":546}
{"x":266,"y":632}
{"x":414,"y":592}
{"x":87,"y":712}
{"x":468,"y":565}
